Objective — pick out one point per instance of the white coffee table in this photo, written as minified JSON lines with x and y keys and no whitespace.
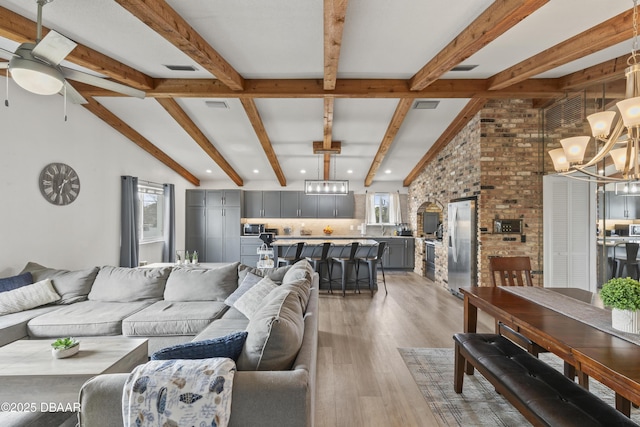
{"x":30,"y":374}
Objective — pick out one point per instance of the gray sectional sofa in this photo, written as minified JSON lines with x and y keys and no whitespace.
{"x":275,"y":382}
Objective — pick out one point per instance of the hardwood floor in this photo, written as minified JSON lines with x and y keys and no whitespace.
{"x":361,"y":379}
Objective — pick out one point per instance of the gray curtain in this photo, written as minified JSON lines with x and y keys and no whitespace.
{"x":129,"y":218}
{"x":169,"y":247}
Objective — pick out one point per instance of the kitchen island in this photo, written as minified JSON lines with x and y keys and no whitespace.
{"x":340,"y":247}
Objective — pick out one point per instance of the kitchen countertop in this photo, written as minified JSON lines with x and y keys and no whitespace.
{"x":332,"y":237}
{"x":320,"y":241}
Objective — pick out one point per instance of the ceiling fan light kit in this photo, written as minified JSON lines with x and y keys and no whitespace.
{"x":33,"y":75}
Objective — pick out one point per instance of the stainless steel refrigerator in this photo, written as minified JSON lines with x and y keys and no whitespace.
{"x":462,"y":244}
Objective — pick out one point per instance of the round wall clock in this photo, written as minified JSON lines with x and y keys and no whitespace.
{"x":59,"y":184}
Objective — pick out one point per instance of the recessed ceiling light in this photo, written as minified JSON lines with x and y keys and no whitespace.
{"x":256,"y":171}
{"x":387,"y":171}
{"x":303,"y":171}
{"x":349,"y":171}
{"x":208,"y":171}
{"x":463,"y":67}
{"x":217,"y":104}
{"x":181,"y":67}
{"x":426,"y":105}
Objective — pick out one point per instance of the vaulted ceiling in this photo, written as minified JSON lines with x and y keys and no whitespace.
{"x":343,"y":75}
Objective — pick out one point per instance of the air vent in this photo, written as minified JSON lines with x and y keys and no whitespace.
{"x":463,"y":67}
{"x":181,"y":67}
{"x":426,"y":105}
{"x":217,"y":104}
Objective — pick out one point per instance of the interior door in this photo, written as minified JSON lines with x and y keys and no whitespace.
{"x":569,"y":215}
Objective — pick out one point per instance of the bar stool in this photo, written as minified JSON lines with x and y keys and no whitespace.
{"x":347,"y":264}
{"x":323,"y":259}
{"x":291,"y":259}
{"x":630,"y":261}
{"x":372,"y":262}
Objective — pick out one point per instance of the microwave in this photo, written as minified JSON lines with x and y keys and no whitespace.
{"x":253,"y":229}
{"x":634,"y":230}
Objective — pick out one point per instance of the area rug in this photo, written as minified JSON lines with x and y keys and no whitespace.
{"x":479,"y":404}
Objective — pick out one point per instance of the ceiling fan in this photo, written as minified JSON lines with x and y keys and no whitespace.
{"x":36,"y":67}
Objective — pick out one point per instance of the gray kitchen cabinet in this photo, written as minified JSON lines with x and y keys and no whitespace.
{"x":249,"y":250}
{"x":621,"y":207}
{"x":332,"y":206}
{"x":262,"y":204}
{"x":399,"y":253}
{"x":212,"y":224}
{"x":296,"y":204}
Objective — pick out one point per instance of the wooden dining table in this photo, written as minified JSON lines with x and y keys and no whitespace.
{"x":610,"y":359}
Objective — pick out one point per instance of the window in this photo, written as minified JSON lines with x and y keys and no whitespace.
{"x":151,"y":199}
{"x":383,"y":209}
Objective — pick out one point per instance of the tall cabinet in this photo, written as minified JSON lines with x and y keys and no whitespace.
{"x":213,"y":224}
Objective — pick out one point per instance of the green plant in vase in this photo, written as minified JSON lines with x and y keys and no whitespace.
{"x":64,"y":347}
{"x":623,"y":296}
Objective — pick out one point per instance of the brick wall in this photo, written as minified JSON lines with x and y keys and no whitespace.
{"x":499,"y":158}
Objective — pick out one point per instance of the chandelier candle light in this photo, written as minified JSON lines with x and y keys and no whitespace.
{"x":617,"y":129}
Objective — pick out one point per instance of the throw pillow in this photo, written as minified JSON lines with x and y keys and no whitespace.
{"x":123,"y":284}
{"x":275,"y":334}
{"x":194,"y":284}
{"x":73,"y":286}
{"x":15,"y":282}
{"x":228,"y":346}
{"x":249,"y":280}
{"x":275,"y":274}
{"x":26,"y":297}
{"x":250,"y":302}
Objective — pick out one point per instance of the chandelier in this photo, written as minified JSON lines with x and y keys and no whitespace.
{"x":616,"y":133}
{"x":325,"y":187}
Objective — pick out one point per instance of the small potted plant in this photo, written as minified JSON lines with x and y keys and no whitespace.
{"x":623,"y":296}
{"x":65,"y":347}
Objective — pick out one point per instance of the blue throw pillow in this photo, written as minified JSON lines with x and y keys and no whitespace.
{"x":228,"y":346}
{"x":15,"y":282}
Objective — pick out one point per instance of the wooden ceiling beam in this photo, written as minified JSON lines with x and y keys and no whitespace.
{"x":604,"y":72}
{"x":256,"y":121}
{"x":116,"y":123}
{"x":604,"y":35}
{"x":392,"y":130}
{"x":501,"y":16}
{"x":160,"y":17}
{"x":180,"y":116}
{"x":22,"y":30}
{"x":328,"y":131}
{"x":345,"y":88}
{"x":461,"y":120}
{"x":335,"y":12}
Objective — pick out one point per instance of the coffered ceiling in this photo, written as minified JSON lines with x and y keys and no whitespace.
{"x":291,"y":72}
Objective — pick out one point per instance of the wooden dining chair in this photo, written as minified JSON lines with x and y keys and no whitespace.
{"x":513,"y":271}
{"x":516,"y":271}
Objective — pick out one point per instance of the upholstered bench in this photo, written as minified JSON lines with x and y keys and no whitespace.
{"x":541,"y":393}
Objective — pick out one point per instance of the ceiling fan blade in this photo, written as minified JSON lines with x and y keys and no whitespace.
{"x":73,"y":95}
{"x":53,"y":48}
{"x":4,"y":65}
{"x":6,"y":54}
{"x":100,"y":82}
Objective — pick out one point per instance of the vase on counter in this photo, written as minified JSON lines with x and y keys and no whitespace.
{"x":625,"y":320}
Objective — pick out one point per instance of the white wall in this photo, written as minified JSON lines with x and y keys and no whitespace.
{"x":87,"y":232}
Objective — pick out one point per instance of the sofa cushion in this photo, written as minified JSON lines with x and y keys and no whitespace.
{"x":26,"y":297}
{"x":14,"y":326}
{"x":251,"y":300}
{"x":73,"y":286}
{"x":173,"y":318}
{"x":250,"y":279}
{"x":302,"y":288}
{"x":275,"y":333}
{"x":227,"y":346}
{"x":15,"y":282}
{"x":193,"y":284}
{"x":275,"y":274}
{"x":85,"y":318}
{"x":123,"y":284}
{"x":300,"y":270}
{"x":222,"y":327}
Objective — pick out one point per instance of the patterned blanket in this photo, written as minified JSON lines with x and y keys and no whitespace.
{"x":176,"y":393}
